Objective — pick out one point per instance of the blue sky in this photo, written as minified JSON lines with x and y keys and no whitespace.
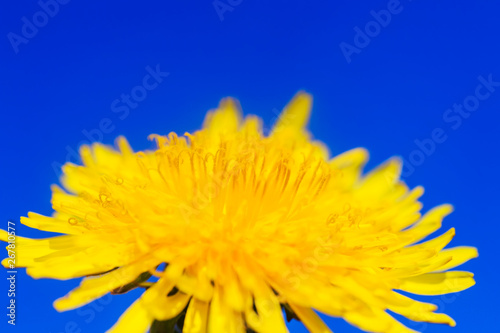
{"x":419,"y":79}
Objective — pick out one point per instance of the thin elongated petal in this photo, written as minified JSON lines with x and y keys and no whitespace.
{"x":268,"y":317}
{"x":438,"y":283}
{"x":459,"y":255}
{"x":350,"y":166}
{"x":45,"y":223}
{"x":417,"y":311}
{"x":95,"y":287}
{"x":296,"y":114}
{"x":310,"y":319}
{"x":381,"y":180}
{"x":27,"y":249}
{"x":375,"y":320}
{"x":429,"y":223}
{"x":136,"y":319}
{"x":222,"y":318}
{"x":160,"y":305}
{"x":225,"y":119}
{"x":196,"y":317}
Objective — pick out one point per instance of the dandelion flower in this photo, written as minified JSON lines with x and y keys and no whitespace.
{"x":228,"y":228}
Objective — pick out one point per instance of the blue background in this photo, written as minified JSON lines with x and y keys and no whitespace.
{"x":395,"y":90}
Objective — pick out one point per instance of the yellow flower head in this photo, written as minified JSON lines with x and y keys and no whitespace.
{"x":247,"y":224}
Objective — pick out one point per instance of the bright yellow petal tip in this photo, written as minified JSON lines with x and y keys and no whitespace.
{"x":296,"y":114}
{"x":235,"y":225}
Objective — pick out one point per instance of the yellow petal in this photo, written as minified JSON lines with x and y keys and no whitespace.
{"x":76,"y":258}
{"x":252,"y":128}
{"x":269,"y":318}
{"x":124,"y":146}
{"x":429,"y":317}
{"x":161,"y":306}
{"x":222,"y":318}
{"x":51,"y":224}
{"x":438,"y":283}
{"x":381,"y":180}
{"x":296,"y":114}
{"x":196,"y":317}
{"x":436,"y":244}
{"x":27,"y":250}
{"x":225,"y":119}
{"x":417,"y":311}
{"x":136,"y":319}
{"x":310,"y":319}
{"x":397,"y":300}
{"x":375,"y":320}
{"x":95,"y":287}
{"x":353,"y":158}
{"x":4,"y":236}
{"x":459,"y":255}
{"x":198,"y":287}
{"x":350,"y":165}
{"x":429,"y":223}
